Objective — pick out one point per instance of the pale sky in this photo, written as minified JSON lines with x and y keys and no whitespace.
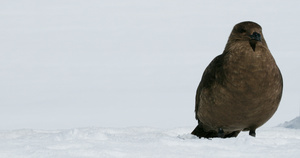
{"x":66,"y":64}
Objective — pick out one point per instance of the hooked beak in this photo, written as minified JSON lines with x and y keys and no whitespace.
{"x":255,"y":36}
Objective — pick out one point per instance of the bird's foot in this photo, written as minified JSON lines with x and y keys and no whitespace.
{"x":252,"y":133}
{"x":221,"y":133}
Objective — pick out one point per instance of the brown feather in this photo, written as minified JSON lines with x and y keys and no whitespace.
{"x":241,"y":88}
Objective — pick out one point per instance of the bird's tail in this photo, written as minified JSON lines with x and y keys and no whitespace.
{"x":199,"y":132}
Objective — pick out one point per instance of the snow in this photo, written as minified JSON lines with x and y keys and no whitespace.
{"x":294,"y":124}
{"x":145,"y":142}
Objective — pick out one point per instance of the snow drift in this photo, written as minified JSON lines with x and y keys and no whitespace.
{"x":295,"y":123}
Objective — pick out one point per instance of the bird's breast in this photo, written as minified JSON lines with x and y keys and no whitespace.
{"x":250,"y":72}
{"x":247,"y":95}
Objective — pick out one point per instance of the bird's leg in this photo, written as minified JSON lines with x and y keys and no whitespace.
{"x":252,"y":132}
{"x":221,"y":133}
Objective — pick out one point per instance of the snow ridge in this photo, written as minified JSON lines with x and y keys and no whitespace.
{"x":294,"y":124}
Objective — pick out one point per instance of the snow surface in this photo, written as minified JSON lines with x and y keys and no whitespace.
{"x":145,"y":142}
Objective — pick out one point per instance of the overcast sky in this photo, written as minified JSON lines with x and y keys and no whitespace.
{"x":115,"y":63}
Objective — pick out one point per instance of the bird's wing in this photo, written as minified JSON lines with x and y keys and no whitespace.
{"x":209,"y":77}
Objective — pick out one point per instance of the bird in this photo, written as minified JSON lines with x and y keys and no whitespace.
{"x":241,"y":88}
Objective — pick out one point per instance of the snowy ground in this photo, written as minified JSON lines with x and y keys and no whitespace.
{"x":145,"y":142}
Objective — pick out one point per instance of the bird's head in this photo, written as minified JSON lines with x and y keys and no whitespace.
{"x":247,"y":31}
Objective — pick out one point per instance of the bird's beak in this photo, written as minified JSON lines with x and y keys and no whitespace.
{"x":255,"y":36}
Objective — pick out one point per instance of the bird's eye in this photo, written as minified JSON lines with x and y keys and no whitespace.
{"x":242,"y":30}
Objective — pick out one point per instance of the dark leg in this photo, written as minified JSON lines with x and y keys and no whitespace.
{"x":221,"y":133}
{"x":252,"y":132}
